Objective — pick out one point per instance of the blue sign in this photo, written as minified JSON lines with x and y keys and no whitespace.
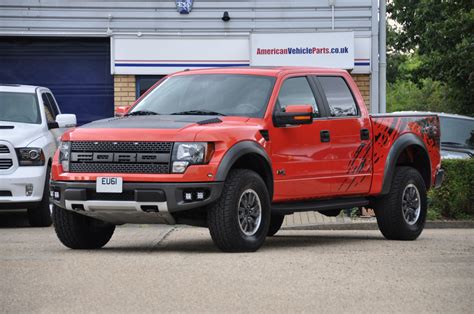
{"x":184,"y":6}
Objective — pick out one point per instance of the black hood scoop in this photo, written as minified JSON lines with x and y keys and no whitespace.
{"x":150,"y":122}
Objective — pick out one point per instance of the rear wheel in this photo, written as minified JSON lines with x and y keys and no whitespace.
{"x":40,"y":215}
{"x":77,"y":231}
{"x":275,"y":224}
{"x":401,"y":214}
{"x":239,"y":220}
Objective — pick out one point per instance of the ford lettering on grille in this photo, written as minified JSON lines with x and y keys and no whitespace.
{"x":93,"y":157}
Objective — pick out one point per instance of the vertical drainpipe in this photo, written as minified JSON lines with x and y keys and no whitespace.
{"x":332,"y":3}
{"x":374,"y":60}
{"x":383,"y":57}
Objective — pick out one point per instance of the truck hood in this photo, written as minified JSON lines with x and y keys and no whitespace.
{"x":20,"y":134}
{"x":148,"y":122}
{"x":152,"y":128}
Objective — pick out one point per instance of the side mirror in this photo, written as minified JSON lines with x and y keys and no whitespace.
{"x":120,"y":111}
{"x":294,"y":115}
{"x":66,"y":120}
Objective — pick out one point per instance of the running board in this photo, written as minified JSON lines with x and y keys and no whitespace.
{"x":318,"y":205}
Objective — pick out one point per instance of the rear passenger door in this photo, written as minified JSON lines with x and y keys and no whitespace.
{"x":350,"y":137}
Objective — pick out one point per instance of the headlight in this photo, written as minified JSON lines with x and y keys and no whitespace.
{"x":64,"y":152}
{"x":30,"y":156}
{"x":192,"y":153}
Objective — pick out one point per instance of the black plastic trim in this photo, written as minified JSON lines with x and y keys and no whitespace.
{"x":317,"y":205}
{"x":240,"y":149}
{"x":397,"y":148}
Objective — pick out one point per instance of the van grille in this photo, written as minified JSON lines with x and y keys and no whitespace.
{"x":160,"y":164}
{"x":4,"y":149}
{"x":5,"y":164}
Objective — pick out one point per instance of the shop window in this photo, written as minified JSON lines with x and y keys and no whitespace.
{"x":144,"y":82}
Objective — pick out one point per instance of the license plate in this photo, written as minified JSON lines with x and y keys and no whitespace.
{"x":109,"y":185}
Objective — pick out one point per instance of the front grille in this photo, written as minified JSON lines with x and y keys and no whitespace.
{"x":4,"y":149}
{"x":5,"y":164}
{"x":135,"y":147}
{"x":159,"y":164}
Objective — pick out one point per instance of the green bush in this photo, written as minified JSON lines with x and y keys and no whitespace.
{"x":455,"y":198}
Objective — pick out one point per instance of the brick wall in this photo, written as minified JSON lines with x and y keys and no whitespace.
{"x":363,"y":82}
{"x":124,"y":90}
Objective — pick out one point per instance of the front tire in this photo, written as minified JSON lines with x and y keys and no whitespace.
{"x":40,"y":215}
{"x":401,"y":214}
{"x":77,"y":231}
{"x":239,"y":220}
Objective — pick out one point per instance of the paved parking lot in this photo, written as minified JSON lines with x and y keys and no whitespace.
{"x":160,"y":268}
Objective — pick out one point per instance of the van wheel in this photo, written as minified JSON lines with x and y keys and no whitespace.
{"x":239,"y":220}
{"x":275,"y":224}
{"x":401,"y":214}
{"x":77,"y":231}
{"x":40,"y":215}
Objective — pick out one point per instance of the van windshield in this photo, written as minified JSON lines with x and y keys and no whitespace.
{"x":19,"y":107}
{"x":209,"y":94}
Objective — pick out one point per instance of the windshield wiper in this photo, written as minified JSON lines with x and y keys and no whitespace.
{"x":198,"y":113}
{"x":142,"y":113}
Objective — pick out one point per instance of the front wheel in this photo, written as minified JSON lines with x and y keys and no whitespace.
{"x":77,"y":231}
{"x":239,"y":220}
{"x":401,"y":214}
{"x":275,"y":224}
{"x":40,"y":215}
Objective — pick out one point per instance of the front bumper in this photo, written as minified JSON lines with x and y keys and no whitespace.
{"x":13,"y":186}
{"x":142,"y":202}
{"x":439,"y":178}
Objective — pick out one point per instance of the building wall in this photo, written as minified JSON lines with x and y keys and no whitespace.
{"x":124,"y":90}
{"x":363,"y":82}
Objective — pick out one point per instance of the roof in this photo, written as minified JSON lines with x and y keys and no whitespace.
{"x":260,"y":70}
{"x":18,"y":88}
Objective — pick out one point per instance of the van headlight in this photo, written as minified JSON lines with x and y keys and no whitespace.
{"x":64,"y":154}
{"x":30,"y":156}
{"x":190,"y":153}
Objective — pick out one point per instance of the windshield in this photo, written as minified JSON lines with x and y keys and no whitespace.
{"x":213,"y":94}
{"x":19,"y":107}
{"x":457,"y":132}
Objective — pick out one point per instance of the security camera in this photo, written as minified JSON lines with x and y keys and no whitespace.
{"x":226,"y":17}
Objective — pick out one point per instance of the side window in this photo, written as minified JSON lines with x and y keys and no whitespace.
{"x":47,"y":108}
{"x":54,"y":105}
{"x":340,"y":100}
{"x":296,"y":91}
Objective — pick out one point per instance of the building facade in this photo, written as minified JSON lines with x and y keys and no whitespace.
{"x":96,"y":55}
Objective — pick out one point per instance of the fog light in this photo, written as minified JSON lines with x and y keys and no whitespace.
{"x":200,"y":195}
{"x":188,"y":196}
{"x":56,"y":195}
{"x":28,"y":189}
{"x":180,"y":166}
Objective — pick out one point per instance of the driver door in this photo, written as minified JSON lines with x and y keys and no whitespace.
{"x":301,"y":161}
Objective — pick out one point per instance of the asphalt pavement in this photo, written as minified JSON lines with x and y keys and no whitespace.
{"x":177,"y":269}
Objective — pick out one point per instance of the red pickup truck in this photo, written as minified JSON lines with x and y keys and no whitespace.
{"x":237,"y":149}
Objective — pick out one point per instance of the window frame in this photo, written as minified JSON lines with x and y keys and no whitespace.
{"x":316,"y":94}
{"x":325,"y":99}
{"x":47,"y":104}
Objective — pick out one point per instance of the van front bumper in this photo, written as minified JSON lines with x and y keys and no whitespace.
{"x":14,"y":186}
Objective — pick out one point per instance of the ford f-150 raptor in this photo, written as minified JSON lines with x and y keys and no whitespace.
{"x":237,"y":149}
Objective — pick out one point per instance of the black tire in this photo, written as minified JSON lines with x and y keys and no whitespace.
{"x":275,"y":224}
{"x":40,"y":214}
{"x":77,"y":231}
{"x":223,"y":216}
{"x":388,"y":209}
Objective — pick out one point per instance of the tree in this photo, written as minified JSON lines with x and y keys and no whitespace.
{"x":442,"y":35}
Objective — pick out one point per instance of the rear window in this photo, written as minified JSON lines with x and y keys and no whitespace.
{"x":19,"y":107}
{"x":340,"y":100}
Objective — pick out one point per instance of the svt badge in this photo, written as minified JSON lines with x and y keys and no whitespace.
{"x":184,"y":6}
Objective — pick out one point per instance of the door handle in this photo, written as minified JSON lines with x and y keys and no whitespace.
{"x":364,"y":134}
{"x":325,"y":136}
